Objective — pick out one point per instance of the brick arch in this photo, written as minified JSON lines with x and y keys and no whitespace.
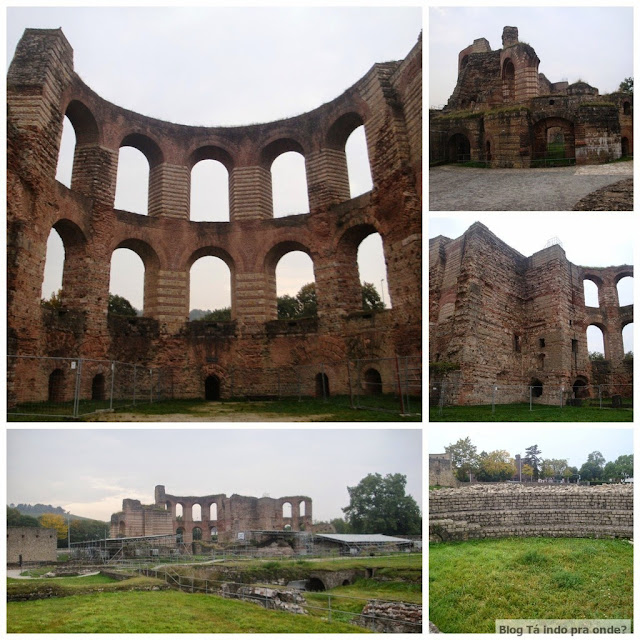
{"x":341,"y":128}
{"x":277,"y":147}
{"x":625,"y":272}
{"x":540,"y":129}
{"x":146,"y":145}
{"x":143,"y":249}
{"x":83,"y":121}
{"x":273,"y":256}
{"x":211,"y":152}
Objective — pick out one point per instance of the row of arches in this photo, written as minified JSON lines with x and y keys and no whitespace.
{"x":600,"y":339}
{"x":211,"y":276}
{"x":209,"y":167}
{"x":594,"y":290}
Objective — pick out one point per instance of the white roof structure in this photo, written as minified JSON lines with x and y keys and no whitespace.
{"x":362,"y":538}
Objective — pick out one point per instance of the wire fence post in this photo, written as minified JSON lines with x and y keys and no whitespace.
{"x":329,"y":607}
{"x":600,"y":395}
{"x":350,"y":386}
{"x":113,"y":376}
{"x":76,"y":395}
{"x":150,"y":386}
{"x":493,"y":398}
{"x":561,"y":394}
{"x":443,"y":387}
{"x":135,"y":373}
{"x":399,"y":385}
{"x":530,"y":398}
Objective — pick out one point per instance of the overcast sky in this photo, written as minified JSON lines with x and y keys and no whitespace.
{"x":221,"y":67}
{"x":89,"y":472}
{"x":592,"y":239}
{"x":593,"y":44}
{"x":571,"y":442}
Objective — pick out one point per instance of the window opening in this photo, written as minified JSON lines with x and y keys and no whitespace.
{"x":358,"y":165}
{"x":209,"y":198}
{"x":372,"y":269}
{"x":210,"y":290}
{"x":289,"y":184}
{"x":132,"y":182}
{"x":65,"y":154}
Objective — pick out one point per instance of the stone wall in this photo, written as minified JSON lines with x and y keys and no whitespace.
{"x":503,"y":319}
{"x":31,"y":544}
{"x":440,"y":473}
{"x":504,"y":510}
{"x":221,"y":518}
{"x":43,"y":87}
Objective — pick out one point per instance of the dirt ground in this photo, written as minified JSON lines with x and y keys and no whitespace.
{"x":209,"y":412}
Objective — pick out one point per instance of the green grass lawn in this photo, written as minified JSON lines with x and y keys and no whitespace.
{"x":383,"y":408}
{"x":471,"y":584}
{"x":158,"y":612}
{"x":521,"y":413}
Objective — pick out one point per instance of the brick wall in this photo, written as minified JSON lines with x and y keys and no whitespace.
{"x":498,"y":511}
{"x":33,"y":544}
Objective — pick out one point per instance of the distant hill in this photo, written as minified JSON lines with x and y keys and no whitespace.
{"x":37,"y":510}
{"x":196,"y":314}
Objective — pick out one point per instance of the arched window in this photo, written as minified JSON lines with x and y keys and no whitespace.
{"x":180,"y":535}
{"x":358,"y":166}
{"x":373,"y":270}
{"x":121,"y":529}
{"x":595,"y":342}
{"x":322,"y":385}
{"x":303,"y":508}
{"x":127,"y":277}
{"x":624,"y":287}
{"x":627,"y":340}
{"x":179,"y":510}
{"x":293,"y":272}
{"x":536,"y":388}
{"x":289,"y":184}
{"x":287,"y":510}
{"x":196,"y":513}
{"x":214,"y":533}
{"x":210,"y":288}
{"x":626,"y":108}
{"x":65,"y":154}
{"x":53,"y":265}
{"x":591,"y":295}
{"x":213,"y":512}
{"x":508,"y":81}
{"x":212,"y":388}
{"x":209,"y":199}
{"x":132,"y":184}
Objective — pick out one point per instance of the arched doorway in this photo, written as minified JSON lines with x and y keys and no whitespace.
{"x":56,"y":386}
{"x":372,"y":381}
{"x":625,"y":147}
{"x":536,"y":388}
{"x":212,"y":388}
{"x":459,"y":148}
{"x":322,"y":385}
{"x":554,"y":141}
{"x":580,"y":389}
{"x":97,"y":387}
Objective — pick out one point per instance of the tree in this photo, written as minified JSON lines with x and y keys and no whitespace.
{"x":596,"y":355}
{"x":527,"y":471}
{"x":371,"y":298}
{"x":340,"y":525}
{"x":287,"y":307}
{"x":554,"y":468}
{"x":593,"y":468}
{"x":54,"y":521}
{"x":533,"y":459}
{"x":217,"y":315}
{"x":464,"y":458}
{"x":380,"y":505}
{"x":16,"y":519}
{"x":496,"y":466}
{"x":307,"y":301}
{"x":620,"y":469}
{"x":628,"y":355}
{"x":121,"y":306}
{"x":83,"y":529}
{"x":626,"y":85}
{"x":54,"y":302}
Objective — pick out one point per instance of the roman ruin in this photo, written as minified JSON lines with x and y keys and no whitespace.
{"x":210,"y":518}
{"x":552,"y":511}
{"x":500,"y":321}
{"x":504,"y":113}
{"x":254,"y":353}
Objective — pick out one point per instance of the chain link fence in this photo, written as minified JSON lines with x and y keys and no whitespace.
{"x":538,"y":397}
{"x":74,"y":387}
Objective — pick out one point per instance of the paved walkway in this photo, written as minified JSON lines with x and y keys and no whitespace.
{"x":454,"y":188}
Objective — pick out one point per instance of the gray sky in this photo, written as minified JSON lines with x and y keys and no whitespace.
{"x":273,"y":63}
{"x":571,"y":442}
{"x":594,"y":44}
{"x":590,"y":241}
{"x":90,"y":471}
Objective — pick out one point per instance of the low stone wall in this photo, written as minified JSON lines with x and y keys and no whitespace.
{"x":504,"y":510}
{"x":391,"y":617}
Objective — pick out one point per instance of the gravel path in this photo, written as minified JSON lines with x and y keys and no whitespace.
{"x":453,"y":188}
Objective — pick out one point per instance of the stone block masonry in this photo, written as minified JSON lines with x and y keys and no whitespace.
{"x":43,"y":88}
{"x":31,"y":544}
{"x":556,"y":511}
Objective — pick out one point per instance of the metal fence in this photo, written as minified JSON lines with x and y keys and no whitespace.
{"x":74,"y":387}
{"x":448,"y":394}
